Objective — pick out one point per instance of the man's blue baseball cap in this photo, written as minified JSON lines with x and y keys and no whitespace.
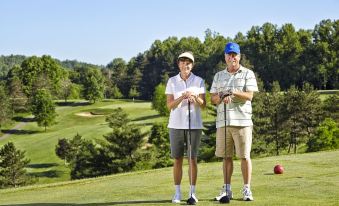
{"x":232,"y":47}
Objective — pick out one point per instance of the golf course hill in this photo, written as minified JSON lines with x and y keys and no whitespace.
{"x":308,"y":179}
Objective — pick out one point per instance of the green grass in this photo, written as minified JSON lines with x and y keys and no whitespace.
{"x":40,"y":145}
{"x":309,"y":179}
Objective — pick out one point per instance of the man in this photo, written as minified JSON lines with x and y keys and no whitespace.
{"x":185,"y":96}
{"x":234,"y":87}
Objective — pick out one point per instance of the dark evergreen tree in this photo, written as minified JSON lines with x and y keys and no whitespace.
{"x":12,"y":167}
{"x":159,"y":139}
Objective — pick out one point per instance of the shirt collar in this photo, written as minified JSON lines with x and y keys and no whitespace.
{"x":241,"y":69}
{"x":178,"y":77}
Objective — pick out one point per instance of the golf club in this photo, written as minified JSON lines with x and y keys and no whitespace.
{"x":191,"y":200}
{"x":225,"y":199}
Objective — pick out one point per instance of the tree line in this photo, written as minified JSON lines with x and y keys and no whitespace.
{"x":283,"y":54}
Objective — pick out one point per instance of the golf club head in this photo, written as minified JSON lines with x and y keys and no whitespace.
{"x":191,"y":201}
{"x":224,"y":200}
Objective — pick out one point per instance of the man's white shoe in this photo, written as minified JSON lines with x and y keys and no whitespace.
{"x":223,"y":193}
{"x":247,"y":194}
{"x":176,"y":198}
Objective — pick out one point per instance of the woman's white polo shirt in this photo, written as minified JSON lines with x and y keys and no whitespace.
{"x":179,"y":116}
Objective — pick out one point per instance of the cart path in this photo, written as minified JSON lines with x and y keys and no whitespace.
{"x":17,"y":127}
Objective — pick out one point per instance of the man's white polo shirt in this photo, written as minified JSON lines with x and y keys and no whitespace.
{"x":179,"y":116}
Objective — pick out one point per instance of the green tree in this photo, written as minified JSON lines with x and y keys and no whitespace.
{"x":43,"y":108}
{"x":122,"y":143}
{"x":68,"y":89}
{"x":159,"y":102}
{"x":119,"y":74}
{"x":12,"y":167}
{"x":331,"y":107}
{"x":93,"y":83}
{"x":118,"y":118}
{"x":5,"y":110}
{"x":17,"y":96}
{"x":62,"y":149}
{"x":325,"y":138}
{"x":69,"y":149}
{"x":302,"y":114}
{"x":133,"y":93}
{"x":270,"y":119}
{"x":116,"y":93}
{"x":87,"y":162}
{"x":40,"y":73}
{"x":324,"y":54}
{"x":159,"y":138}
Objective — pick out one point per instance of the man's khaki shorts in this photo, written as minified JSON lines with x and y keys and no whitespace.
{"x":240,"y":137}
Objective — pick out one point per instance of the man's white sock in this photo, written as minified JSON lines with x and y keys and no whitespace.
{"x":227,"y":187}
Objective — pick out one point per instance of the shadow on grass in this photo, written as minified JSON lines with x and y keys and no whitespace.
{"x":49,"y":174}
{"x":72,"y":104}
{"x":144,"y":124}
{"x":18,"y":131}
{"x":140,"y":202}
{"x":23,"y":119}
{"x":146,"y":117}
{"x":43,"y":165}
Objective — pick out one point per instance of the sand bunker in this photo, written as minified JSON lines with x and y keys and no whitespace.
{"x":88,"y":114}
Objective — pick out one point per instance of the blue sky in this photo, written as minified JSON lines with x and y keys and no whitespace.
{"x":97,"y":31}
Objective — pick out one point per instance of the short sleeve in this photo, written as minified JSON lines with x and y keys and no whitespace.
{"x":169,"y":88}
{"x":214,"y":84}
{"x":251,"y":82}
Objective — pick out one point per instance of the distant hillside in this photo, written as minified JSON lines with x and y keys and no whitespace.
{"x":309,"y":179}
{"x":7,"y":62}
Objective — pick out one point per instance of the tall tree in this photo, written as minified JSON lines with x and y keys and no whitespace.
{"x":326,"y":45}
{"x":5,"y":110}
{"x":40,"y":73}
{"x":43,"y":108}
{"x":119,"y":75}
{"x":93,"y":83}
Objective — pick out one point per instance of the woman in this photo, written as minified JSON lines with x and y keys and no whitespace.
{"x":185,"y":97}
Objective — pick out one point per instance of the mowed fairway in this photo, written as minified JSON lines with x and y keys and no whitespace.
{"x":40,"y":145}
{"x":309,"y":179}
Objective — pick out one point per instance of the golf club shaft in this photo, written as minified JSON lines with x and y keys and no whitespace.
{"x":225,"y":139}
{"x":190,"y":145}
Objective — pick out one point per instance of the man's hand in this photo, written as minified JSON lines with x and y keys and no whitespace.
{"x":224,"y":94}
